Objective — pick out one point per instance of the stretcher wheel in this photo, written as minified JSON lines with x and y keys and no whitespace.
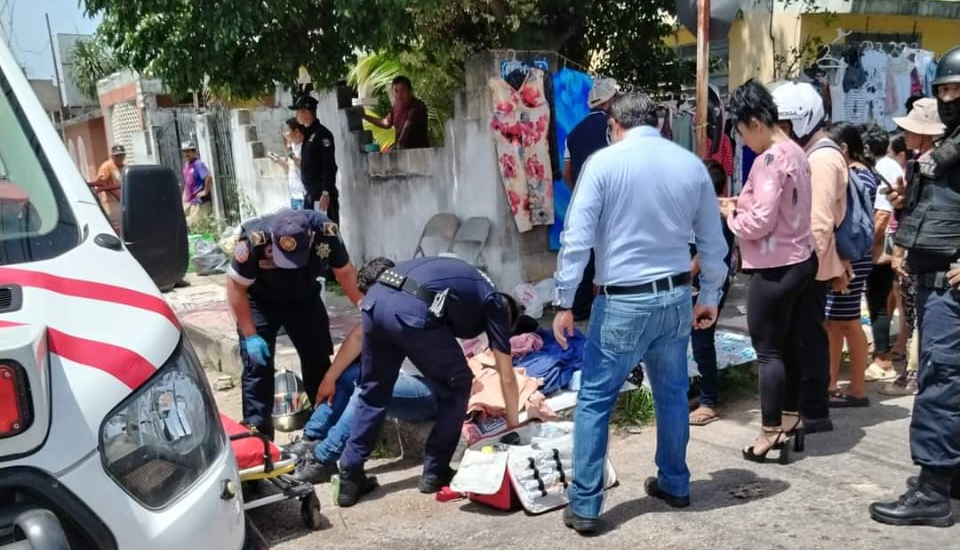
{"x":310,"y":511}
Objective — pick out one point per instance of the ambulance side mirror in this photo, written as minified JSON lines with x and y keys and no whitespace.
{"x":154,"y":226}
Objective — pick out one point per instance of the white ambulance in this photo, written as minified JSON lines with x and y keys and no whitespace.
{"x":109,"y":434}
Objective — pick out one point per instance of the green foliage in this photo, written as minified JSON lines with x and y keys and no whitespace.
{"x":92,"y":61}
{"x":242,"y":48}
{"x":634,"y":408}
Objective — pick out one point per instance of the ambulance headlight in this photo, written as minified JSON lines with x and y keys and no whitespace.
{"x":166,"y":435}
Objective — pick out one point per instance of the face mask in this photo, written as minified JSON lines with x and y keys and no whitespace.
{"x":949,"y":113}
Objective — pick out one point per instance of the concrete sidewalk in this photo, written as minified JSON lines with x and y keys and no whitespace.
{"x":207,"y":320}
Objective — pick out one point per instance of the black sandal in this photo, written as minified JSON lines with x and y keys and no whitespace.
{"x":782,"y":444}
{"x":843,"y":400}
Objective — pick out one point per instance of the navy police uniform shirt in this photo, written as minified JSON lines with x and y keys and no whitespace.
{"x":253,"y":264}
{"x":319,"y":164}
{"x":473,"y":305}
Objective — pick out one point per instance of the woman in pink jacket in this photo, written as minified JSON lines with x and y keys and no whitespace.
{"x":772,"y":220}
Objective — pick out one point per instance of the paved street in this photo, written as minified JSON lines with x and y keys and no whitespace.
{"x":818,"y":502}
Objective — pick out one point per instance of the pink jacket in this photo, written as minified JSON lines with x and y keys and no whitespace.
{"x":772,"y":218}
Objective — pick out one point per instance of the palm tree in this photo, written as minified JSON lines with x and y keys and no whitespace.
{"x":92,"y":61}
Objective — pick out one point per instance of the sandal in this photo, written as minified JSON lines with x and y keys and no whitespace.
{"x":703,"y":416}
{"x":843,"y":400}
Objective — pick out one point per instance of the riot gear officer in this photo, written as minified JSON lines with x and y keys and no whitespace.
{"x":930,"y":231}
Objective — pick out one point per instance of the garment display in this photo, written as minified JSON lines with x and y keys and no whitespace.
{"x":723,"y":155}
{"x":521,"y":124}
{"x":682,"y":125}
{"x":899,"y":69}
{"x":838,"y":97}
{"x":873,"y":85}
{"x":571,"y":90}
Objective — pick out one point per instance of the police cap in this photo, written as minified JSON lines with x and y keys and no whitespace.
{"x":291,"y":238}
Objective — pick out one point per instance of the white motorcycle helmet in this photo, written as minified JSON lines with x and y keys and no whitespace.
{"x":801,"y":104}
{"x":291,"y":406}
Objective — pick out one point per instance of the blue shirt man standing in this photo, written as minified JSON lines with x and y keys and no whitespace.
{"x":588,"y":137}
{"x":636,"y":204}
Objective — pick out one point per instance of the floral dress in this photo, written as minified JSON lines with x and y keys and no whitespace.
{"x":521,"y":123}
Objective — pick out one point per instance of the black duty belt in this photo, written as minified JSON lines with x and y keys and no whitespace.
{"x":660,"y":285}
{"x":933,"y":281}
{"x":396,"y":281}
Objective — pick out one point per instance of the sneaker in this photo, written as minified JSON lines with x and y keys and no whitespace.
{"x":905,"y":384}
{"x":432,"y":483}
{"x":313,"y":471}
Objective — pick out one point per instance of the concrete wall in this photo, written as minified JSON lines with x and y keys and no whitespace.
{"x":386,"y":199}
{"x":92,"y":133}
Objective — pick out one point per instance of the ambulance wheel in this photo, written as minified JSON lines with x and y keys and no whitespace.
{"x":310,"y":512}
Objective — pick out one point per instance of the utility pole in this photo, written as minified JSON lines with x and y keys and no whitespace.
{"x":56,"y":74}
{"x":703,"y":75}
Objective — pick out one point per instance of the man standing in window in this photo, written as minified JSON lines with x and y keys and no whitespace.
{"x":318,"y":161}
{"x":408,"y":117}
{"x":637,"y":213}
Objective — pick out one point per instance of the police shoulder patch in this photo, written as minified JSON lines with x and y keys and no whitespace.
{"x":241,"y":252}
{"x":323,"y":251}
{"x":330,"y":229}
{"x":257,"y":238}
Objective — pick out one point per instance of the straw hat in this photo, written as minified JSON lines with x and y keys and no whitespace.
{"x":603,"y":90}
{"x":923,"y":119}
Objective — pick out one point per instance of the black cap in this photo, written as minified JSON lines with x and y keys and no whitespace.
{"x":118,"y":150}
{"x":305,"y":101}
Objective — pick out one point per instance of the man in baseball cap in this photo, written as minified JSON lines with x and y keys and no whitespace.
{"x":586,"y":138}
{"x":291,"y":237}
{"x":318,"y":163}
{"x":108,"y":184}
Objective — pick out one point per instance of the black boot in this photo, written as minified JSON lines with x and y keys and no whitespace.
{"x":432,"y":483}
{"x":352,"y":487}
{"x":584,"y":526}
{"x":926,"y":504}
{"x":954,"y":486}
{"x":311,"y":470}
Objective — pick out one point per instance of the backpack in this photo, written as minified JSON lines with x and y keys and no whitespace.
{"x":855,"y":234}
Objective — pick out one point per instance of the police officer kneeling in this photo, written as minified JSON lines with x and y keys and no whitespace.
{"x":272,"y":282}
{"x":930,"y":231}
{"x":417,"y":310}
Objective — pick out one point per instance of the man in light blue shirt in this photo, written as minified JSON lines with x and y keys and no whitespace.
{"x":636,"y":203}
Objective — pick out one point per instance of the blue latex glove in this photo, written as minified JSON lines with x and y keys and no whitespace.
{"x":257,"y":349}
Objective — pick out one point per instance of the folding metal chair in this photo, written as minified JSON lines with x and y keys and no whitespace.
{"x":470,"y":240}
{"x":438,"y":235}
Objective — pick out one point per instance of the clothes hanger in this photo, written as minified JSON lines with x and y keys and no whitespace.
{"x":828,"y":61}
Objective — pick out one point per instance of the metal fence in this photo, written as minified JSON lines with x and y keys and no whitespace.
{"x":224,"y":175}
{"x":173,"y":130}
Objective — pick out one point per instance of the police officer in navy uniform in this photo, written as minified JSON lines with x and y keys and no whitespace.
{"x":272,"y":283}
{"x":418,"y":310}
{"x":930,"y":231}
{"x":318,"y":161}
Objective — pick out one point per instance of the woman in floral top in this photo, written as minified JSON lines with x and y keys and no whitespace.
{"x":772,"y":220}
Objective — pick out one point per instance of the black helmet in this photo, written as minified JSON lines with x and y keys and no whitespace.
{"x":948,"y":71}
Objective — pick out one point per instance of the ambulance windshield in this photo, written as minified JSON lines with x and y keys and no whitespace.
{"x":36,"y":222}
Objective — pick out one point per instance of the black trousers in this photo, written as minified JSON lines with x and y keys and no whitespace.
{"x":583,"y":299}
{"x":815,"y":375}
{"x":778,"y":317}
{"x":308,"y":326}
{"x":935,"y":424}
{"x":879,"y":285}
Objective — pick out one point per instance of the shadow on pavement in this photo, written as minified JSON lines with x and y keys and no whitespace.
{"x":726,"y":488}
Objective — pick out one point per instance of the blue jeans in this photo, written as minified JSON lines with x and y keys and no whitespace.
{"x":624,"y":330}
{"x":412,"y":401}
